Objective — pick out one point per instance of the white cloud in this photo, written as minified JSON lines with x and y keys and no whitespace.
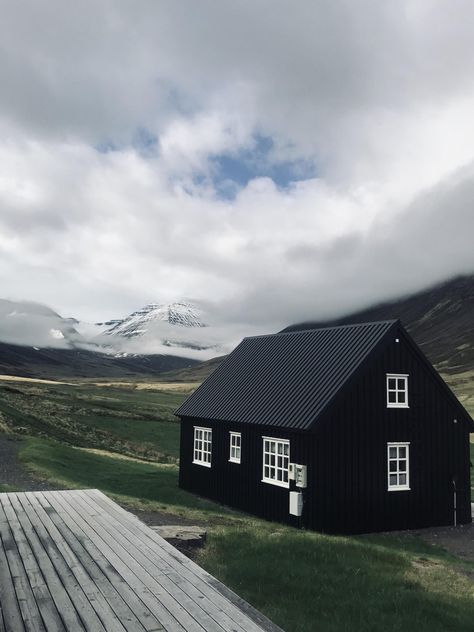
{"x":378,"y":96}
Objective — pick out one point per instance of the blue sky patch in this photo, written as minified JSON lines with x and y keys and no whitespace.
{"x":231,"y":172}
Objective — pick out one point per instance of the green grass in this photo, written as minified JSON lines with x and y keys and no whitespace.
{"x":129,"y":421}
{"x":307,"y":581}
{"x":152,"y":486}
{"x":8,"y":488}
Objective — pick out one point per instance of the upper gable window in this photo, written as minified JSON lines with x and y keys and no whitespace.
{"x":202,"y":446}
{"x":397,"y":390}
{"x":235,"y":446}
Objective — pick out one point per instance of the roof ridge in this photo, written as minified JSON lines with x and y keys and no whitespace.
{"x":392,"y":321}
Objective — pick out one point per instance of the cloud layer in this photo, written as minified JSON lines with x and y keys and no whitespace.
{"x":277,"y":161}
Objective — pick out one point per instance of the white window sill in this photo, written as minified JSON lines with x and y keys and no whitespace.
{"x":201,"y":463}
{"x":277,"y":483}
{"x":398,"y":406}
{"x":399,"y":489}
{"x":234,"y":461}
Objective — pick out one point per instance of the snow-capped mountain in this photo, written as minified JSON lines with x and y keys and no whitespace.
{"x":169,"y":328}
{"x":173,"y":329}
{"x":138,"y":323}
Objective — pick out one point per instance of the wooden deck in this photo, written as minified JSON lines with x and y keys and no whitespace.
{"x":75,"y":560}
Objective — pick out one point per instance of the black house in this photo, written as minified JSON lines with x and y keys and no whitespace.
{"x":343,"y":430}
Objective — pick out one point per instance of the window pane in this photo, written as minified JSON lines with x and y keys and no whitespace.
{"x":285,"y":450}
{"x":392,"y":451}
{"x":401,"y":383}
{"x":392,"y":383}
{"x":393,"y":479}
{"x":402,"y":452}
{"x":392,"y":397}
{"x":393,"y":466}
{"x":401,"y":397}
{"x":403,"y":479}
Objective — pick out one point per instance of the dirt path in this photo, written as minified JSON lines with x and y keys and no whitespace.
{"x":458,"y":541}
{"x":12,"y":471}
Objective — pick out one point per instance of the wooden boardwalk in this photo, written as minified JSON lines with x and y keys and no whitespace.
{"x":75,"y":560}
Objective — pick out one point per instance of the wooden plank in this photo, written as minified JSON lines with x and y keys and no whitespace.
{"x":26,"y":576}
{"x":54,"y":597}
{"x":230,"y":619}
{"x":100,"y":567}
{"x":194,"y":601}
{"x":178,"y":610}
{"x":115,"y":558}
{"x":10,"y":615}
{"x":244,"y":613}
{"x":84,"y":594}
{"x":79,"y":540}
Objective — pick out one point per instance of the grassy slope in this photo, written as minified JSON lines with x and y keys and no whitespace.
{"x":129,"y":421}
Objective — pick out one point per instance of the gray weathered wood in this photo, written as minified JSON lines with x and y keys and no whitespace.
{"x":91,"y":562}
{"x":177,"y":608}
{"x":104,"y":573}
{"x":247,"y":615}
{"x":86,"y":596}
{"x":75,"y":560}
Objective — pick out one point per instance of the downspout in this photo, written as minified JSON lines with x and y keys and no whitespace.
{"x":455,"y":502}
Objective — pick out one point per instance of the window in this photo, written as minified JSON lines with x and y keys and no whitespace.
{"x":235,"y":443}
{"x":276,"y":460}
{"x":398,"y":466}
{"x":202,"y":446}
{"x":397,"y":391}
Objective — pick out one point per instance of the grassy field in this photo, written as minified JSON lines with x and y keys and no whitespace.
{"x":131,"y":421}
{"x":99,"y":436}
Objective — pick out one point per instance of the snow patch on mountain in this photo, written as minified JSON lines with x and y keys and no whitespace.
{"x":138,"y":323}
{"x":178,"y":328}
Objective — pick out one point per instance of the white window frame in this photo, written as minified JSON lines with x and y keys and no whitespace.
{"x":397,"y":390}
{"x":397,"y":487}
{"x":270,"y":470}
{"x":235,"y":447}
{"x":202,"y":446}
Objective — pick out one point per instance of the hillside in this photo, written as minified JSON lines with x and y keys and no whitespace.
{"x":79,"y":363}
{"x":440,"y":319}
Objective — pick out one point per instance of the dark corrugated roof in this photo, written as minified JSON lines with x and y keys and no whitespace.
{"x":285,"y":379}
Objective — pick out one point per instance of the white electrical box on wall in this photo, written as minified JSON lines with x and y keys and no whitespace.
{"x":296,"y":503}
{"x":301,"y":476}
{"x":291,"y":472}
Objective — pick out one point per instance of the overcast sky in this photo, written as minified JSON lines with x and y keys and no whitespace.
{"x":277,"y":160}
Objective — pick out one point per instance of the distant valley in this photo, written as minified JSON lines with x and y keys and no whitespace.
{"x":170,"y":340}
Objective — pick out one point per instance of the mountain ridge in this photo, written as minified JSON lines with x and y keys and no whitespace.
{"x":439,"y":318}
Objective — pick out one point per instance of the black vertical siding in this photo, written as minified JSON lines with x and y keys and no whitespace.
{"x":237,"y":485}
{"x":350,"y":452}
{"x":346,"y":456}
